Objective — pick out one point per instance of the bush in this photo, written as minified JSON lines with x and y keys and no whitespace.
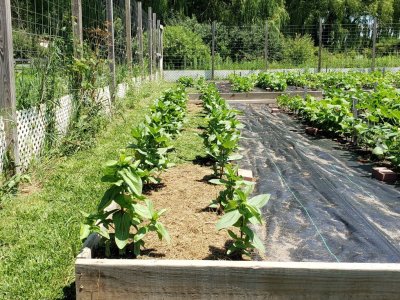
{"x":185,"y":49}
{"x":298,"y":50}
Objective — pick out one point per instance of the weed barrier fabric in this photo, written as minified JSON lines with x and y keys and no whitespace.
{"x":324,"y":204}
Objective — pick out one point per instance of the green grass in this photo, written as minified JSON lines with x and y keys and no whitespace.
{"x":39,"y":232}
{"x":188,"y":145}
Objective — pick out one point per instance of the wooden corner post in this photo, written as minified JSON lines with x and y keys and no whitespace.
{"x":111,"y":48}
{"x":7,"y":88}
{"x":128,"y":31}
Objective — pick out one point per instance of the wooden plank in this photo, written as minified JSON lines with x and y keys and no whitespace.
{"x":111,"y":47}
{"x":140,"y":36}
{"x":259,"y":95}
{"x":7,"y":86}
{"x":128,"y":32}
{"x":184,"y":279}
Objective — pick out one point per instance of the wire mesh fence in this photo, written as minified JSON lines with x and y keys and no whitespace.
{"x":264,"y":46}
{"x":54,"y":72}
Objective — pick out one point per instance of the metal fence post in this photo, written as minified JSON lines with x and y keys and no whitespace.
{"x":374,"y":34}
{"x":77,"y":27}
{"x":128,"y":31}
{"x":111,"y":48}
{"x":320,"y":45}
{"x":140,"y":36}
{"x":213,"y":28}
{"x":150,"y":41}
{"x":266,"y":45}
{"x":7,"y":87}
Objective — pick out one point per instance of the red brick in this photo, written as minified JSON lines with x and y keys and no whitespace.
{"x":312,"y":130}
{"x":384,"y":174}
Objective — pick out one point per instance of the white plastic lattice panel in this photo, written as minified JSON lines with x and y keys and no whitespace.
{"x":2,"y":143}
{"x":63,"y":115}
{"x":31,"y":127}
{"x":104,"y":97}
{"x":121,"y":90}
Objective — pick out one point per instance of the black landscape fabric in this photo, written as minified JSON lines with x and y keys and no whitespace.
{"x":324,"y":204}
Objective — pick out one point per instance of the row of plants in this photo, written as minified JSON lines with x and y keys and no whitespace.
{"x":242,"y":83}
{"x":372,"y":117}
{"x":238,"y":211}
{"x":124,"y":226}
{"x":266,"y":81}
{"x":279,"y":81}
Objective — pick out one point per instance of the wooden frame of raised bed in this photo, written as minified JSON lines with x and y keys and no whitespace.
{"x":205,"y":279}
{"x":259,"y":97}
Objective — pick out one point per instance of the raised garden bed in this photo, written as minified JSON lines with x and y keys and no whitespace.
{"x":271,"y":96}
{"x":194,"y":279}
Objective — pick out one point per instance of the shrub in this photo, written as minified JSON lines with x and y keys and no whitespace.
{"x":298,"y":50}
{"x":184,"y":48}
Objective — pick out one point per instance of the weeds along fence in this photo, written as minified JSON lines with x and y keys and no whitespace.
{"x":59,"y":59}
{"x":219,"y":49}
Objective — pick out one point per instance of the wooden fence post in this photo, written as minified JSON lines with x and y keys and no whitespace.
{"x":150,"y":40}
{"x":374,"y":35}
{"x":158,"y":55}
{"x":111,"y":48}
{"x":266,"y":45}
{"x":154,"y":58}
{"x":128,"y":31}
{"x":7,"y":88}
{"x":140,"y":36}
{"x":162,"y":51}
{"x":320,"y":45}
{"x":77,"y":27}
{"x":213,"y":27}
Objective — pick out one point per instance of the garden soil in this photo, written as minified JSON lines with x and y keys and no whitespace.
{"x":324,"y":204}
{"x":186,"y":195}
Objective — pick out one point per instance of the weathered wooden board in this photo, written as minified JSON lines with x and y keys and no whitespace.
{"x":259,"y":95}
{"x":183,"y":279}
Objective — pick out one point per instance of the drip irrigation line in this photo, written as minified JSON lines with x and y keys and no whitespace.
{"x":306,"y":211}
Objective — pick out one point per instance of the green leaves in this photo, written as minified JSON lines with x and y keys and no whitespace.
{"x":242,"y":84}
{"x":228,"y":219}
{"x":222,"y":134}
{"x":259,"y":201}
{"x":221,"y":140}
{"x":132,"y":220}
{"x":122,"y":222}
